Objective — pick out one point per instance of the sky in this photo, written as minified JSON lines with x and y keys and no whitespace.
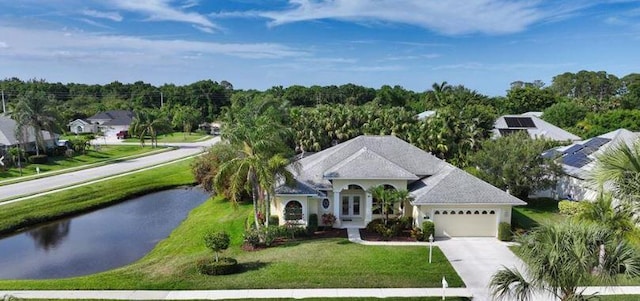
{"x":256,"y":44}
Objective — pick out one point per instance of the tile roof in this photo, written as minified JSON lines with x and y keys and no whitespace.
{"x":113,"y":117}
{"x":454,"y":186}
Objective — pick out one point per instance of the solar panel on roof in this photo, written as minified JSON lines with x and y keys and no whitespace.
{"x":573,"y":149}
{"x":519,"y":122}
{"x":577,"y":160}
{"x":596,"y":142}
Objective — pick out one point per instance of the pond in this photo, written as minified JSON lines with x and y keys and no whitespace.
{"x":97,"y":241}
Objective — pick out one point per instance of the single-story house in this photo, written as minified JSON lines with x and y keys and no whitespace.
{"x":80,"y":126}
{"x":533,"y":125}
{"x":211,"y":128}
{"x":9,"y":138}
{"x":578,"y":159}
{"x":337,"y":181}
{"x":112,"y":122}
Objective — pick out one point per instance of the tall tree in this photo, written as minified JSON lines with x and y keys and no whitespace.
{"x":559,"y":257}
{"x":150,"y":122}
{"x":185,"y":117}
{"x":33,"y":110}
{"x":515,"y":163}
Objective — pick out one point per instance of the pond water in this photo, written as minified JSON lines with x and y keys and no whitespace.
{"x":97,"y":241}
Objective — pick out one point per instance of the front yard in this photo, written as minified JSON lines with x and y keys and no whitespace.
{"x":535,"y":212}
{"x":317,"y":263}
{"x":176,"y":137}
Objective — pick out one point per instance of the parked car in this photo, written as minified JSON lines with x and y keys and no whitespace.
{"x":122,"y":135}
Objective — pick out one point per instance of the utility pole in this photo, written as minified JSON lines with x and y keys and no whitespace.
{"x":4,"y":107}
{"x":161,"y":99}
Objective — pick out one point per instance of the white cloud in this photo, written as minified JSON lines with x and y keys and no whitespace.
{"x":37,"y":44}
{"x":161,"y":10}
{"x":447,"y":17}
{"x":113,"y":16}
{"x":3,"y":45}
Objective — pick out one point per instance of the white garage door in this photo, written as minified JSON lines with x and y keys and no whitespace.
{"x":465,"y":222}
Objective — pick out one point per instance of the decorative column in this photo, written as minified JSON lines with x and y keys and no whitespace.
{"x":368,"y":209}
{"x":336,"y":208}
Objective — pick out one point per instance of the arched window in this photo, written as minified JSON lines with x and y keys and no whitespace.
{"x":460,"y":212}
{"x":437,"y":212}
{"x":492,"y":212}
{"x":79,"y":129}
{"x":468,"y":211}
{"x":445,"y":212}
{"x":453,"y":212}
{"x":293,"y":211}
{"x":476,"y":212}
{"x":484,"y":212}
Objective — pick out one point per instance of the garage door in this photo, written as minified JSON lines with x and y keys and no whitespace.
{"x":467,"y":222}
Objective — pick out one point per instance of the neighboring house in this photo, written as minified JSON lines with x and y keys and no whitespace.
{"x":112,"y":122}
{"x":578,"y":159}
{"x":533,"y":126}
{"x":337,"y":180}
{"x":211,"y":128}
{"x":9,"y":138}
{"x":80,"y":126}
{"x":426,"y":114}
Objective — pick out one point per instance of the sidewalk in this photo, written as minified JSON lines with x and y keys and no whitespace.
{"x":242,"y":294}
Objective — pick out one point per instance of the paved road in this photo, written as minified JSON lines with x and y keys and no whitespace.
{"x":44,"y":184}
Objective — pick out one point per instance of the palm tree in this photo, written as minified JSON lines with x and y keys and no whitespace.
{"x":618,"y":169}
{"x":33,"y":110}
{"x":149,"y":122}
{"x":562,"y":256}
{"x":620,"y":218}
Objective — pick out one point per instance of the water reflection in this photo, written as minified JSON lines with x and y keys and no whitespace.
{"x":98,"y":241}
{"x":50,"y":236}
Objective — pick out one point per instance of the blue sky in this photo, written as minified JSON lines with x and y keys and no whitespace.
{"x":256,"y":44}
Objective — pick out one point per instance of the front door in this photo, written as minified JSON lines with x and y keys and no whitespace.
{"x":351,"y":206}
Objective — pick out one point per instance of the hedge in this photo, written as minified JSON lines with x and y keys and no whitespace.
{"x":504,"y":232}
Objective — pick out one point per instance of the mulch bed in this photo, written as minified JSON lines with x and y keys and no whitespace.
{"x":374,"y":236}
{"x":331,"y":233}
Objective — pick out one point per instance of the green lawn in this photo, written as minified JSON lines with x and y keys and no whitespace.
{"x":312,"y":299}
{"x":318,"y":263}
{"x":85,"y":198}
{"x":619,"y":298}
{"x":173,"y":138}
{"x":535,"y":212}
{"x":105,"y":153}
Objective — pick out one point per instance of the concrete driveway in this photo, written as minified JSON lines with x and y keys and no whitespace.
{"x":477,"y":259}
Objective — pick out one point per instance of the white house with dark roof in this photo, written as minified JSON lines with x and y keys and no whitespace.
{"x":112,"y":122}
{"x":80,"y":126}
{"x":337,"y":180}
{"x":578,"y":159}
{"x":533,"y":125}
{"x":9,"y":137}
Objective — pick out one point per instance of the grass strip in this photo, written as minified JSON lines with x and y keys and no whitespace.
{"x":177,"y":137}
{"x":93,"y":159}
{"x":16,"y":216}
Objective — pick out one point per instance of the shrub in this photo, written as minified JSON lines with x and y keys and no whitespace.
{"x":428,"y":229}
{"x":224,"y":266}
{"x":217,"y":242}
{"x":38,"y":159}
{"x":570,"y":208}
{"x":274,"y":220}
{"x":372,"y":226}
{"x":417,"y":234}
{"x":294,"y":229}
{"x":406,"y":222}
{"x":252,"y":236}
{"x":312,"y":226}
{"x":504,"y":232}
{"x":328,"y":219}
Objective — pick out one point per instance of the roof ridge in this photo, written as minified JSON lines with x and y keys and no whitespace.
{"x":444,"y":172}
{"x":357,"y":154}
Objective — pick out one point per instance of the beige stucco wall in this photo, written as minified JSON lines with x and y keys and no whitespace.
{"x":366,"y":184}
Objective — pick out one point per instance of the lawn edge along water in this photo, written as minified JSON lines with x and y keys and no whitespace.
{"x":78,"y":200}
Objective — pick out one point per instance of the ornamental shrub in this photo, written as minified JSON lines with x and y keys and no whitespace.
{"x":372,"y":226}
{"x":224,"y":266}
{"x":570,"y":208}
{"x":312,"y":225}
{"x":504,"y":232}
{"x":217,"y":242}
{"x":406,"y":222}
{"x":417,"y":234}
{"x":274,"y":220}
{"x":328,"y":219}
{"x":428,"y":229}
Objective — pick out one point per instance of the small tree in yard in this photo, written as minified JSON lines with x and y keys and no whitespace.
{"x":217,"y":242}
